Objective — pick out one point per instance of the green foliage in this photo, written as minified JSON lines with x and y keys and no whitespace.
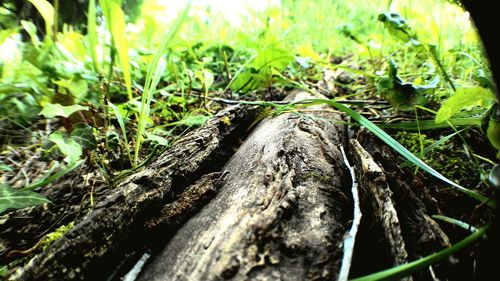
{"x":16,"y":199}
{"x":447,"y":158}
{"x":464,"y":98}
{"x":116,"y":24}
{"x":154,"y":73}
{"x":403,"y":95}
{"x":259,"y":72}
{"x":59,"y":74}
{"x":51,"y":110}
{"x":92,"y":33}
{"x":399,"y":28}
{"x":47,"y":12}
{"x":69,"y":147}
{"x":404,"y":151}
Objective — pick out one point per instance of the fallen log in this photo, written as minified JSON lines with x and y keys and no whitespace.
{"x":96,"y":245}
{"x":277,"y":208}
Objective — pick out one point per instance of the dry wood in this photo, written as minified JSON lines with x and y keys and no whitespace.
{"x":276,"y":209}
{"x":109,"y":230}
{"x":280,"y":214}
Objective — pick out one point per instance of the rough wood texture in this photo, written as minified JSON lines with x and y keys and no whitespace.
{"x":276,"y":209}
{"x":280,"y":214}
{"x":109,"y":230}
{"x":376,"y":192}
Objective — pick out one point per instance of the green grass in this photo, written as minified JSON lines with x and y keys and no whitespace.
{"x":171,"y":63}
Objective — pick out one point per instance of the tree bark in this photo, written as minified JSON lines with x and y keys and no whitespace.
{"x":276,"y":209}
{"x":280,"y":214}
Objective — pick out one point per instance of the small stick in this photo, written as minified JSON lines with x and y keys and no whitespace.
{"x":351,"y":237}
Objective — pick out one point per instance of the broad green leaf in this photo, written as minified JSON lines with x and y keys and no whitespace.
{"x":84,"y":135}
{"x":463,"y":98}
{"x":73,"y":43}
{"x":272,"y":57}
{"x":51,"y":110}
{"x":243,"y":81}
{"x":403,"y":95}
{"x":69,"y":147}
{"x":193,"y":120}
{"x":207,"y":78}
{"x":16,"y":199}
{"x":493,"y":129}
{"x":261,"y":69}
{"x":47,"y":11}
{"x":77,"y":88}
{"x":158,"y":139}
{"x":398,"y":272}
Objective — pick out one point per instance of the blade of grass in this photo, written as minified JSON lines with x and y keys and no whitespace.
{"x":47,"y":11}
{"x":430,"y":124}
{"x":92,"y":34}
{"x":153,"y":76}
{"x":408,"y":268}
{"x":456,"y":222}
{"x":52,"y":177}
{"x":117,"y":28}
{"x":121,"y":122}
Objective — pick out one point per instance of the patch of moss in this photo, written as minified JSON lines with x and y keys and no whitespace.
{"x":53,"y":236}
{"x":448,"y":158}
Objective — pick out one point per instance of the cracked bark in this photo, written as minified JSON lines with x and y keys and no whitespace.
{"x":276,"y":209}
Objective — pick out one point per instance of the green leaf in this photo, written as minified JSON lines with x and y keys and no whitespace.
{"x":493,"y":129}
{"x":4,"y":167}
{"x":193,"y":120}
{"x":158,"y":139}
{"x":403,"y":95}
{"x":47,"y":11}
{"x":463,"y":98}
{"x":69,"y":147}
{"x":31,"y":30}
{"x":77,"y":88}
{"x":51,"y":110}
{"x":272,"y":57}
{"x":397,"y":26}
{"x":84,"y":135}
{"x":261,"y":68}
{"x":16,"y":199}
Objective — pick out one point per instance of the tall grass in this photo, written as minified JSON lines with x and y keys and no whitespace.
{"x":155,"y":70}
